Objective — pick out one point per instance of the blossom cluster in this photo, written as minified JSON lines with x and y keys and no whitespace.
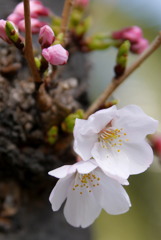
{"x":135,"y":35}
{"x":111,"y":145}
{"x":37,"y":9}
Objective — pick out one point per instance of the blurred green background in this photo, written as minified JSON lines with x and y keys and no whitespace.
{"x":143,"y":87}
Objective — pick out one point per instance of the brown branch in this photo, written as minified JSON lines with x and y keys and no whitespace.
{"x":117,"y":82}
{"x":28,"y":43}
{"x":66,"y":16}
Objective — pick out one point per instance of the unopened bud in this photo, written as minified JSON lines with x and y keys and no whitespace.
{"x":37,"y":62}
{"x":46,"y":36}
{"x":155,"y":141}
{"x":122,"y":58}
{"x":59,"y":39}
{"x":41,"y":64}
{"x":140,"y":46}
{"x":15,"y":18}
{"x":56,"y":55}
{"x":3,"y":34}
{"x":35,"y":25}
{"x":131,"y":33}
{"x":56,"y":24}
{"x":69,"y":122}
{"x":98,"y":44}
{"x":13,"y":35}
{"x":52,"y":135}
{"x":36,"y":9}
{"x":81,"y":3}
{"x":76,"y":17}
{"x":82,"y":28}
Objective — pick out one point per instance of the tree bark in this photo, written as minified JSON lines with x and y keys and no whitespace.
{"x":25,"y":155}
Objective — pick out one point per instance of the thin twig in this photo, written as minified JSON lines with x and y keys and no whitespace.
{"x":66,"y":16}
{"x":117,"y":82}
{"x":28,"y":43}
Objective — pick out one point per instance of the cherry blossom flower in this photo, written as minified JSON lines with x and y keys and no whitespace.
{"x":56,"y":55}
{"x":116,"y":140}
{"x":46,"y":36}
{"x":87,"y":190}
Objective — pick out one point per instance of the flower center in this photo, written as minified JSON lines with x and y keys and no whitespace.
{"x":110,"y":138}
{"x":85,"y":182}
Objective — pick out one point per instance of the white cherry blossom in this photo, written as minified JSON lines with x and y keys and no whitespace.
{"x":116,"y":140}
{"x":87,"y":190}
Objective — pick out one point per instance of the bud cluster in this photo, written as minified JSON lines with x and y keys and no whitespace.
{"x":37,"y":9}
{"x":135,"y":36}
{"x":54,"y":54}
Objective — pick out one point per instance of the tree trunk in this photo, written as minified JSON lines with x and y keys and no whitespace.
{"x":25,"y":154}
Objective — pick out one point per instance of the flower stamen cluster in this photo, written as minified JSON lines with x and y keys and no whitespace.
{"x":112,"y":138}
{"x":85,"y":182}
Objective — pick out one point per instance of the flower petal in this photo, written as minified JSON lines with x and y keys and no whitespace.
{"x":114,"y":199}
{"x":135,"y":122}
{"x":114,"y":164}
{"x":59,"y":192}
{"x":140,"y":156}
{"x":83,"y":145}
{"x":84,"y":167}
{"x":81,"y":209}
{"x":60,"y":172}
{"x":95,"y":123}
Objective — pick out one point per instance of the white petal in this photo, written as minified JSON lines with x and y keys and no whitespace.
{"x":135,"y":122}
{"x":140,"y":156}
{"x":60,"y":172}
{"x":114,"y":164}
{"x":83,"y":145}
{"x":96,"y":122}
{"x":59,"y":192}
{"x":84,"y":167}
{"x":114,"y":199}
{"x":81,"y":209}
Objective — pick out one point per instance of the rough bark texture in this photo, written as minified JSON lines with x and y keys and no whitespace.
{"x":25,"y":155}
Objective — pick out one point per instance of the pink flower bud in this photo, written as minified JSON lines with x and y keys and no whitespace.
{"x":156,"y":144}
{"x":140,"y":46}
{"x":56,"y":55}
{"x":46,"y":36}
{"x":131,"y":33}
{"x":3,"y":34}
{"x":81,"y":3}
{"x":36,"y":9}
{"x":35,"y":25}
{"x":15,"y":18}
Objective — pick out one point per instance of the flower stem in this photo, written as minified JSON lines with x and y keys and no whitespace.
{"x":118,"y":81}
{"x":28,"y":43}
{"x":65,"y":17}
